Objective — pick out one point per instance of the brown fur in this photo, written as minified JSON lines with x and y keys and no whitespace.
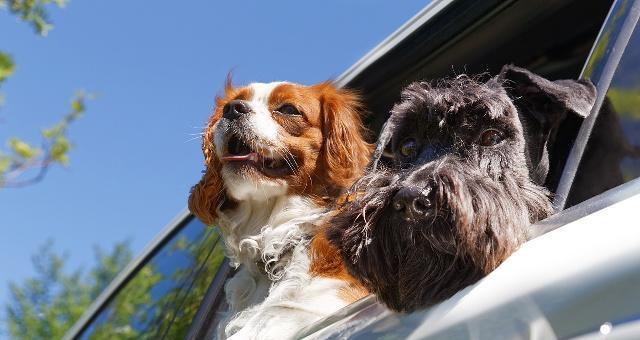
{"x":330,"y":149}
{"x":328,"y":142}
{"x":326,"y":261}
{"x":207,"y":195}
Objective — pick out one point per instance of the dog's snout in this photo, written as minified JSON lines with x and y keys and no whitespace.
{"x":412,"y":202}
{"x":235,"y":108}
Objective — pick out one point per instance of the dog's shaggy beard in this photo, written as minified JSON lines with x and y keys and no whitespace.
{"x":476,"y":223}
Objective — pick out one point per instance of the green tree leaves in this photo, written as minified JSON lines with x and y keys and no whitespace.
{"x":33,"y":12}
{"x":6,"y":66}
{"x":6,"y":69}
{"x":46,"y":306}
{"x":23,"y":163}
{"x":22,"y":149}
{"x":26,"y":164}
{"x":626,"y":101}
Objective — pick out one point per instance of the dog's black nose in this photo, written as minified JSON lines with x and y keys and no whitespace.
{"x":412,"y":202}
{"x":235,"y":108}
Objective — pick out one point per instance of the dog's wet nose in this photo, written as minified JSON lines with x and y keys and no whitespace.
{"x":412,"y":202}
{"x":235,"y":108}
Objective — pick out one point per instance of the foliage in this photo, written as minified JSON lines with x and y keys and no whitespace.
{"x":188,"y":303}
{"x":24,"y":164}
{"x":6,"y":69}
{"x":159,"y":302}
{"x":163,"y":297}
{"x":625,"y":101}
{"x":6,"y":66}
{"x":33,"y":12}
{"x":600,"y":50}
{"x":24,"y":157}
{"x":46,"y":306}
{"x":128,"y":307}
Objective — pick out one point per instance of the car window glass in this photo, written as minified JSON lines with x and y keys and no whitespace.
{"x":162,"y":298}
{"x":612,"y":155}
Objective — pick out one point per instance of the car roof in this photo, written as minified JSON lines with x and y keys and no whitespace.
{"x":469,"y":33}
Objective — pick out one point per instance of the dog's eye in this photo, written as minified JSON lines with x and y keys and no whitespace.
{"x":491,"y":137}
{"x":288,"y":109}
{"x":408,"y":148}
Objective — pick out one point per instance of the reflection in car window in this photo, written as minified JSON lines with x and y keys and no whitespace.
{"x":163,"y":296}
{"x":612,"y":156}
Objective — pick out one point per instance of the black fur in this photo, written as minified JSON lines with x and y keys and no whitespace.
{"x":474,"y":202}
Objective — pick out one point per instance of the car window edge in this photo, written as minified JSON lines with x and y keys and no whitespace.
{"x":179,"y":221}
{"x":602,"y":85}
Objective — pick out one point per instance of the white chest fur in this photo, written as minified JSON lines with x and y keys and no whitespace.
{"x":260,"y":237}
{"x":273,"y":295}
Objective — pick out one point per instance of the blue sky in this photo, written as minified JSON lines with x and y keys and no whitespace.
{"x":155,"y":67}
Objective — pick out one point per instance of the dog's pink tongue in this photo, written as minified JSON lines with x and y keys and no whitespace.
{"x":235,"y":158}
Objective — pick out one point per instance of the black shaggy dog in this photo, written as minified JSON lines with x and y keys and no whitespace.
{"x":467,"y":161}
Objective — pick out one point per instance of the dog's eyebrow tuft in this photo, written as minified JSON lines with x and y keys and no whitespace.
{"x":445,"y":97}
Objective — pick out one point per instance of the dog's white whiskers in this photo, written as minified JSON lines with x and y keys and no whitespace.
{"x":293,"y":158}
{"x":284,"y":157}
{"x":192,"y":139}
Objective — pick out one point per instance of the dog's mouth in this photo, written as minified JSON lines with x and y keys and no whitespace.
{"x":240,"y":154}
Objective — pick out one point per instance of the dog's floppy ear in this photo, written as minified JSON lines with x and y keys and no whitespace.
{"x":345,"y":151}
{"x":208,"y":194}
{"x":543,"y":105}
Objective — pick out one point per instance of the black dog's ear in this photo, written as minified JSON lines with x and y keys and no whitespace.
{"x":557,"y":97}
{"x":542,"y":105}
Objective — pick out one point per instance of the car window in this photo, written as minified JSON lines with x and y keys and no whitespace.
{"x":612,"y":154}
{"x":162,"y":298}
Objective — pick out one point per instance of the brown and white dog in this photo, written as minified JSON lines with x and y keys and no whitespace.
{"x":276,"y":155}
